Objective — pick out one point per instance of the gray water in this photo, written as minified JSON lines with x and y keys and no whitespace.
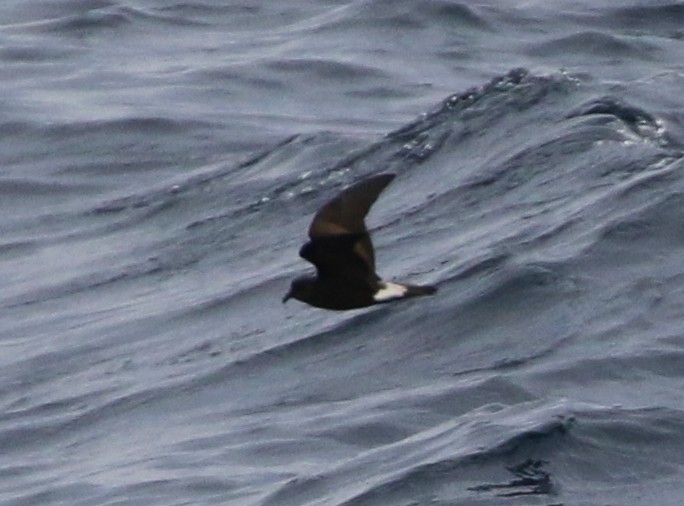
{"x":160,"y":162}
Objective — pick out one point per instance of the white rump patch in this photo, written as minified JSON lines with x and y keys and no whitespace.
{"x":389,"y":291}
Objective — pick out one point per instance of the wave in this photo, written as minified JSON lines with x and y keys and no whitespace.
{"x":597,"y":44}
{"x":546,"y":209}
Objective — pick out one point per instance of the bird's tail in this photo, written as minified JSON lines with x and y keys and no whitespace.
{"x":418,"y":290}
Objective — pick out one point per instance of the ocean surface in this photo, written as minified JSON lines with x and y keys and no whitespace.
{"x":160,"y":162}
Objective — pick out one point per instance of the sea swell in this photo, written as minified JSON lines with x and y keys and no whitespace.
{"x":147,"y":356}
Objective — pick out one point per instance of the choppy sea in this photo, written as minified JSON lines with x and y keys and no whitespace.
{"x":160,"y":161}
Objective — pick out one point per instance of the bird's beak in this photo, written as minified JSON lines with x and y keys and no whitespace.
{"x":287,"y":297}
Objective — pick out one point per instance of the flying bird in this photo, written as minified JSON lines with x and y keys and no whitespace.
{"x":341,"y":250}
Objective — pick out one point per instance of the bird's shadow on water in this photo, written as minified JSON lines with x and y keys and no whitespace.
{"x":530,"y":479}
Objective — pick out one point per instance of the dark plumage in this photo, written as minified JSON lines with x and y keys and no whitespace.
{"x":341,"y":249}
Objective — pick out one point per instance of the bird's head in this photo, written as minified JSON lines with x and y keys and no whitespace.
{"x":300,"y":289}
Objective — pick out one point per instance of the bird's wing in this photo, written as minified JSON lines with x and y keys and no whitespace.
{"x":336,"y":259}
{"x":344,"y":216}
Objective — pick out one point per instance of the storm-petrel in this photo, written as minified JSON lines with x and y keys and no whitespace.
{"x":341,"y":249}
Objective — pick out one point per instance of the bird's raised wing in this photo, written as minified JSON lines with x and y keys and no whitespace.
{"x":343,"y":218}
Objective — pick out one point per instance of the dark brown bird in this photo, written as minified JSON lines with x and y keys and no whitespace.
{"x":341,"y":249}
